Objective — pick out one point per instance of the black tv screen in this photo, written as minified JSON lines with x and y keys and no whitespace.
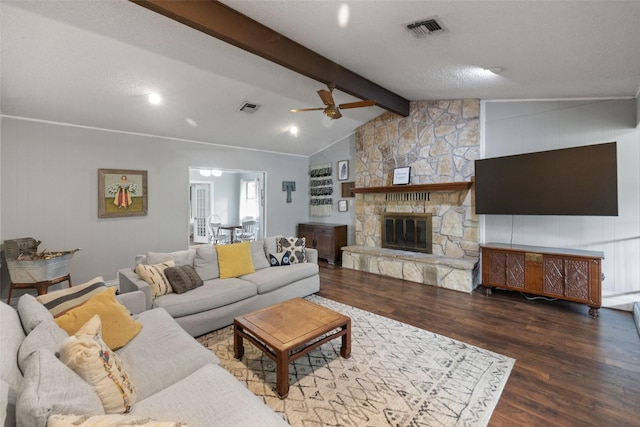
{"x":571,"y":181}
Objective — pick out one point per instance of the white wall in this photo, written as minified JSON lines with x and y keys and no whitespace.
{"x":49,"y":186}
{"x":342,"y":150}
{"x":528,"y":126}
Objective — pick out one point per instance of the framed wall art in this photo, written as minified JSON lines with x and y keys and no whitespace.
{"x":343,"y":170}
{"x":342,"y":206}
{"x":122,"y":192}
{"x":401,"y":175}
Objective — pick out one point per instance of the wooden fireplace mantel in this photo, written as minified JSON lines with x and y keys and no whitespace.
{"x":442,"y":186}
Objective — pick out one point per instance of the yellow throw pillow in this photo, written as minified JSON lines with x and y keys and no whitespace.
{"x":118,"y":326}
{"x":88,"y":356}
{"x":155,"y":277}
{"x":235,"y":260}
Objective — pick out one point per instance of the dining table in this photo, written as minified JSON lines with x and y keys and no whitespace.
{"x":232,"y":230}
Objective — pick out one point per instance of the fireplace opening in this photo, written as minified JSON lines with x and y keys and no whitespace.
{"x":407,"y":231}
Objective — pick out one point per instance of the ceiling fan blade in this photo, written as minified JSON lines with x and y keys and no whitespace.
{"x":367,"y":103}
{"x":326,"y":97}
{"x":298,"y":110}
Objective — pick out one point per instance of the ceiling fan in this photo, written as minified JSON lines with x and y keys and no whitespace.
{"x":332,"y":110}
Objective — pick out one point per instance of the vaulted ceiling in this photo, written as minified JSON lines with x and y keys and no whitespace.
{"x":93,"y":63}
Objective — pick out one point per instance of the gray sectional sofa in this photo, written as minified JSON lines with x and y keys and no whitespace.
{"x":176,"y":379}
{"x":216,"y":303}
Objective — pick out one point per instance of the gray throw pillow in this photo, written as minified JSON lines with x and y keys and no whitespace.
{"x":206,"y":263}
{"x":182,"y":278}
{"x":260,"y":261}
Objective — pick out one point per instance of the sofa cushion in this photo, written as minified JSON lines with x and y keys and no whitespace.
{"x":296,"y":246}
{"x":258,"y":255}
{"x":279,"y":259}
{"x":206,"y":262}
{"x":31,"y":312}
{"x":235,"y":260}
{"x":184,"y":257}
{"x":274,"y":278}
{"x":182,"y":278}
{"x":88,"y":356}
{"x":209,"y":390}
{"x":213,"y":294}
{"x":118,"y":326}
{"x":153,"y":274}
{"x":271,"y":245}
{"x":50,"y":387}
{"x":10,"y":375}
{"x":108,"y":420}
{"x":63,"y":300}
{"x":46,"y":335}
{"x":161,"y":354}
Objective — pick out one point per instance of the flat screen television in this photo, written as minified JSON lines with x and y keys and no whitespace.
{"x":571,"y":181}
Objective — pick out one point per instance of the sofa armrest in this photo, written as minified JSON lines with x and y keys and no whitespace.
{"x":130,"y":282}
{"x":135,"y":301}
{"x":312,"y":255}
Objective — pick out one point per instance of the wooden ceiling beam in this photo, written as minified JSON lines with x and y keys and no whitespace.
{"x":220,"y":21}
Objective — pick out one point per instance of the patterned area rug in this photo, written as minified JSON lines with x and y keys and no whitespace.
{"x":398,"y":375}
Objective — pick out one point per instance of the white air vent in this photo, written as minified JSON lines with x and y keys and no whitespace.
{"x":426,"y":26}
{"x":249,"y":107}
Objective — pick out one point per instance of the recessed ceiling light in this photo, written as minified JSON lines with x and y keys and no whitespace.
{"x":495,"y":70}
{"x":293,"y":130}
{"x":154,"y":98}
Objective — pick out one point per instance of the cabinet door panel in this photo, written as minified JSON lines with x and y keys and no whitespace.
{"x":497,"y":268}
{"x":553,"y":275}
{"x":325,"y":245}
{"x":577,"y":278}
{"x":515,"y":270}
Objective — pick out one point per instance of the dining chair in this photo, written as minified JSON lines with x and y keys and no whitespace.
{"x":248,"y":232}
{"x":216,"y":235}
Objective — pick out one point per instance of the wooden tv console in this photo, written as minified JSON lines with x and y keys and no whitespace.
{"x":566,"y":274}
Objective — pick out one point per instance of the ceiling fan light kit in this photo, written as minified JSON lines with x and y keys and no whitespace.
{"x":332,"y":110}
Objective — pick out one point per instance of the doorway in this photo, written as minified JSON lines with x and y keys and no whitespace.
{"x":231,"y":195}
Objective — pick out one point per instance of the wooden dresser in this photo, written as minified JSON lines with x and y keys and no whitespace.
{"x":567,"y":274}
{"x":328,"y":239}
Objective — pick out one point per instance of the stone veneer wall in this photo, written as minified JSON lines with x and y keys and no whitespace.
{"x":440,"y":141}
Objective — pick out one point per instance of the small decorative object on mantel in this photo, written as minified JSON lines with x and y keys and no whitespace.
{"x":288,"y":186}
{"x":401,"y":176}
{"x":342,"y":206}
{"x":122,"y":192}
{"x":320,"y":190}
{"x":343,"y":170}
{"x":347,"y":189}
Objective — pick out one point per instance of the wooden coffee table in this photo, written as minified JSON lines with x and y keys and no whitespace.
{"x":289,"y":330}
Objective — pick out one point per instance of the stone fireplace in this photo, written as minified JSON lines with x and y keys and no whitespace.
{"x":439,"y":140}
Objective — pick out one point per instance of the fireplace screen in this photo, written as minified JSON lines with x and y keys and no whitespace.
{"x":407,"y":231}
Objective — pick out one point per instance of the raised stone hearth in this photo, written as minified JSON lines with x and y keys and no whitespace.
{"x":439,"y":140}
{"x":450,"y":273}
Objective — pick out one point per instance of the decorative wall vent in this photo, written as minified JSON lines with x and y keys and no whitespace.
{"x":426,"y":26}
{"x":249,"y":107}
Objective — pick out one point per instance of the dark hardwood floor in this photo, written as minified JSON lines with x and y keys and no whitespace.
{"x":570,"y":370}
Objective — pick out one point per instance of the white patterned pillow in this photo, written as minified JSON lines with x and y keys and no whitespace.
{"x":295,"y":245}
{"x":281,"y":258}
{"x":91,"y":359}
{"x":155,"y":277}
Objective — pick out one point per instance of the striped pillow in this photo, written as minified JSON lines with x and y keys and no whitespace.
{"x":59,"y":302}
{"x":155,"y":277}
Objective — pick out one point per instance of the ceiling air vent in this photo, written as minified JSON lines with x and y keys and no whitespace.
{"x":426,"y":26}
{"x":249,"y":107}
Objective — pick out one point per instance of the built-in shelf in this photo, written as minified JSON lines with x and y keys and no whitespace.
{"x":442,"y":186}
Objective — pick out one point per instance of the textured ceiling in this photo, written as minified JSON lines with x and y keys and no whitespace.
{"x":92,"y":63}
